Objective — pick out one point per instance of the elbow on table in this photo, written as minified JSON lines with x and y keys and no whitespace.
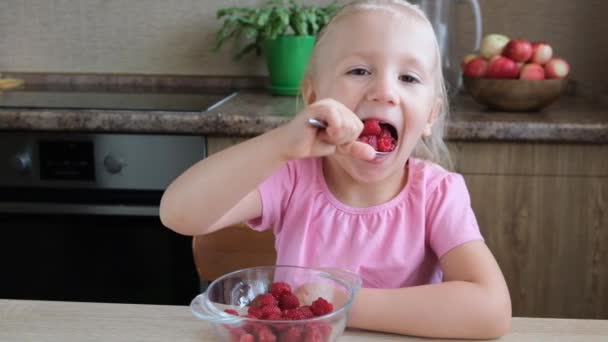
{"x":497,"y":322}
{"x":497,"y":327}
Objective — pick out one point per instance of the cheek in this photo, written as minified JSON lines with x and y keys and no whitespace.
{"x":347,"y":93}
{"x":417,"y":115}
{"x":414,"y":125}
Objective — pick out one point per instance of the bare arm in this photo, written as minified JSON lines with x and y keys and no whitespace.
{"x":206,"y":191}
{"x":472,"y":302}
{"x":221,"y":190}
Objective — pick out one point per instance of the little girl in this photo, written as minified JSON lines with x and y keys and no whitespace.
{"x":399,"y":220}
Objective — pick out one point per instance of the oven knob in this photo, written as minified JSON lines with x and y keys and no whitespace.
{"x":21,"y":162}
{"x":113,"y":164}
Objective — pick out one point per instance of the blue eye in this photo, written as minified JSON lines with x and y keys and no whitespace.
{"x":408,"y":79}
{"x":358,"y":72}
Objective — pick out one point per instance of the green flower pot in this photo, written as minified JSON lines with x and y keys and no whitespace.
{"x":287,"y":58}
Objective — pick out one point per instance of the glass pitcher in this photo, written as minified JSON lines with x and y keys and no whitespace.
{"x":443,"y":16}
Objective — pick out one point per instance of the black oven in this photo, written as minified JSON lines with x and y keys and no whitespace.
{"x":79,"y":218}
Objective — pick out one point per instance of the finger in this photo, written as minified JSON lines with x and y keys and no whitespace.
{"x":358,"y":150}
{"x":334,"y":121}
{"x":347,"y":132}
{"x":323,"y":148}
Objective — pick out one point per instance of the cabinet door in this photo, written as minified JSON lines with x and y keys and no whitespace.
{"x":550,"y":237}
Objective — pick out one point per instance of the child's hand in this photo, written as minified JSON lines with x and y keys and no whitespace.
{"x":340,"y":136}
{"x":309,"y":292}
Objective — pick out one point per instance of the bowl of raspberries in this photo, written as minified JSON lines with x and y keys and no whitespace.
{"x":279,"y":304}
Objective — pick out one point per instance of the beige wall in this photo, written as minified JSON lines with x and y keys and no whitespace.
{"x":577,"y":30}
{"x":174,"y":36}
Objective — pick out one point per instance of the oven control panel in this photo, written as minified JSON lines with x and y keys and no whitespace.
{"x":108,"y":161}
{"x":66,"y":160}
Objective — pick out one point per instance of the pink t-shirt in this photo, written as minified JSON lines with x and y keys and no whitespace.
{"x":392,"y":245}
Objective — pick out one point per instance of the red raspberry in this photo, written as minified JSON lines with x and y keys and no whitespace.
{"x":246,"y":338}
{"x":313,"y":334}
{"x":269,"y":310}
{"x":235,"y":333}
{"x":253,"y":327}
{"x":386,"y":133}
{"x":321,"y":307}
{"x":289,"y":301}
{"x":266,"y":335}
{"x":373,"y":141}
{"x":385,"y":144}
{"x":275,"y":317}
{"x":371,"y":127}
{"x":306,"y":311}
{"x":292,"y":334}
{"x":293,"y":314}
{"x":325,"y":330}
{"x":303,"y":312}
{"x":268,"y":299}
{"x":232,"y":312}
{"x":364,"y":139}
{"x":279,"y":288}
{"x":255,"y":312}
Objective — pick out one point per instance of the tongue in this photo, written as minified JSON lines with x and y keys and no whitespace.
{"x":377,"y":136}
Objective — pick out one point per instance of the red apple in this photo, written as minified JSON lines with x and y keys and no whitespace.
{"x":557,"y":68}
{"x":541,"y":52}
{"x":502,"y":67}
{"x":466,"y":59}
{"x":476,"y":68}
{"x":519,"y":50}
{"x":492,"y":45}
{"x":532,"y":71}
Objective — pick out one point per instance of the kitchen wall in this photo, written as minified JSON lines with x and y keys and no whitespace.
{"x":175,"y":36}
{"x":577,"y":30}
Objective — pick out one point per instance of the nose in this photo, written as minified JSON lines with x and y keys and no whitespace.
{"x":383,"y":90}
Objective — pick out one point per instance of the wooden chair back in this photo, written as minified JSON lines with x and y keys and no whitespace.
{"x":230,"y":249}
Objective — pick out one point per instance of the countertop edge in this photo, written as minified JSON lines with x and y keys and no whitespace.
{"x":251,"y":114}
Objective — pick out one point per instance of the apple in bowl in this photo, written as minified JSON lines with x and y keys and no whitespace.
{"x":514,"y":74}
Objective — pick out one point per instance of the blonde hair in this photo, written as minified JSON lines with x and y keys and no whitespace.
{"x":433,"y":147}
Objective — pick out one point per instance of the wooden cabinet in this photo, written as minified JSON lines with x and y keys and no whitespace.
{"x":543,"y":210}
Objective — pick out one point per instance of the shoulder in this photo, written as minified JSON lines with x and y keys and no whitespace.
{"x":433,"y":178}
{"x":301,"y":169}
{"x":295,"y":174}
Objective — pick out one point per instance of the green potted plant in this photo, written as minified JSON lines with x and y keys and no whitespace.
{"x":284,"y":32}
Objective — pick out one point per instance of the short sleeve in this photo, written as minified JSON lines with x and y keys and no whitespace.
{"x":450,"y":220}
{"x":274,"y":193}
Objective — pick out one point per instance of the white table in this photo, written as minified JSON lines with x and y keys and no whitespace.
{"x":48,"y":321}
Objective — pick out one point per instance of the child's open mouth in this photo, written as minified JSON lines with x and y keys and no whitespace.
{"x":379,"y":135}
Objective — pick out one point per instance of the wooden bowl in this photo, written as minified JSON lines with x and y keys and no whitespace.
{"x":515,"y":95}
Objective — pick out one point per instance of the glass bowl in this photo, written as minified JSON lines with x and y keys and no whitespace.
{"x":237,"y":291}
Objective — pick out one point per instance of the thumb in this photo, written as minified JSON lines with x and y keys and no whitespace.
{"x":358,"y":150}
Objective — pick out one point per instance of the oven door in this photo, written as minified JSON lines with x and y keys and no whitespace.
{"x":100,"y":246}
{"x":79,"y":217}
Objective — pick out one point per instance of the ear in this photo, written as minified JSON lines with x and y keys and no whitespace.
{"x":437,"y":107}
{"x":308,"y":92}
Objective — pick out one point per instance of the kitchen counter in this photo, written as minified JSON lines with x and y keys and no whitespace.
{"x":22,"y":320}
{"x":251,"y":113}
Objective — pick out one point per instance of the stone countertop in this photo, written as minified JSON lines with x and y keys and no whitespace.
{"x":251,"y":113}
